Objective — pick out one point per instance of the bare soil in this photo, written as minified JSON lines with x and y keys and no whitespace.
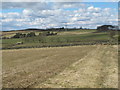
{"x":75,"y":66}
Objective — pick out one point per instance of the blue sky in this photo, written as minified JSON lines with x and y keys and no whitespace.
{"x":104,"y":4}
{"x":50,"y":14}
{"x":19,"y":10}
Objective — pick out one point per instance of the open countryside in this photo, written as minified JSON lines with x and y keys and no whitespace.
{"x":64,"y":37}
{"x":82,"y":55}
{"x":53,"y":67}
{"x":59,"y":45}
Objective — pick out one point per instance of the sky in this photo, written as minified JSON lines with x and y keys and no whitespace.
{"x":22,"y":15}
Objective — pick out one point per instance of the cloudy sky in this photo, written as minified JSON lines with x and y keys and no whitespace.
{"x":22,"y":15}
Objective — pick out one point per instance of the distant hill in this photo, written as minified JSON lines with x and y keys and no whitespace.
{"x":29,"y":29}
{"x":34,"y":29}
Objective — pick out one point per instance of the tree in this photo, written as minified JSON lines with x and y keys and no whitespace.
{"x":19,"y":35}
{"x":104,"y":27}
{"x":81,"y":28}
{"x":31,"y":34}
{"x":47,"y":33}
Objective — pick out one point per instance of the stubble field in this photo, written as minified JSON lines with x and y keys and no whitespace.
{"x":88,"y":66}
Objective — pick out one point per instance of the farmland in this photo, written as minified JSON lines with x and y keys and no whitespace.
{"x":66,"y":45}
{"x":75,"y":37}
{"x":43,"y":62}
{"x":73,"y":66}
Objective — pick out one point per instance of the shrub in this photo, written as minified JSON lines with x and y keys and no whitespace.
{"x":19,"y":35}
{"x":31,"y":34}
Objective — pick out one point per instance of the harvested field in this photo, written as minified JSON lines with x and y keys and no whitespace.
{"x":73,"y":33}
{"x":76,"y":66}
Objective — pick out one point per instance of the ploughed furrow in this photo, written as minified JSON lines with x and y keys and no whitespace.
{"x":98,"y":69}
{"x":29,"y":67}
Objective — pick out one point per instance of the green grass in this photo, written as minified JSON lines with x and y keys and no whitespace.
{"x":69,"y":37}
{"x":82,"y":37}
{"x":10,"y":42}
{"x":55,"y":40}
{"x":87,"y":30}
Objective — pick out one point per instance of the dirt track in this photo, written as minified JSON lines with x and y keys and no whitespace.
{"x":98,"y":69}
{"x":80,"y":66}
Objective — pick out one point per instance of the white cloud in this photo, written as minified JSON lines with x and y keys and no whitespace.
{"x":7,"y":20}
{"x":107,"y":9}
{"x":59,"y":1}
{"x":48,"y":16}
{"x":1,"y":15}
{"x":9,"y":15}
{"x":27,"y":5}
{"x":24,"y":0}
{"x":93,"y":9}
{"x":27,"y":12}
{"x":63,"y":5}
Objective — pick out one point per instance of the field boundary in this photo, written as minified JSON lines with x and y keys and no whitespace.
{"x":64,"y":45}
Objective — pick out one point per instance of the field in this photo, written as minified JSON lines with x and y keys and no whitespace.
{"x":75,"y":37}
{"x":88,"y":66}
{"x":44,"y":62}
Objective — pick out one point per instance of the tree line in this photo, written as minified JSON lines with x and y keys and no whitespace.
{"x":32,"y":34}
